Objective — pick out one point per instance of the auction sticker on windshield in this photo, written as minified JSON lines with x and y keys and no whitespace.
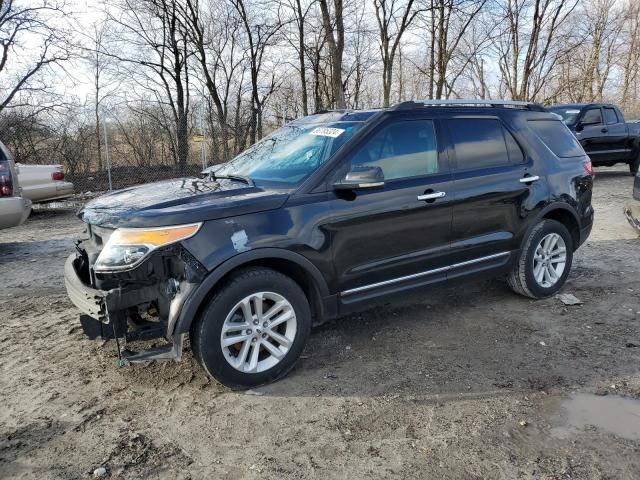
{"x":327,"y":132}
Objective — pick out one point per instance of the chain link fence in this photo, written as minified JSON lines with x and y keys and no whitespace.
{"x":110,"y":152}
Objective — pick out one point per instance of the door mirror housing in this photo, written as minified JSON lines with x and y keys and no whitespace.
{"x":361,"y":178}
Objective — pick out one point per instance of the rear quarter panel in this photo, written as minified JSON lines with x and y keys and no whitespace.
{"x":569,"y":186}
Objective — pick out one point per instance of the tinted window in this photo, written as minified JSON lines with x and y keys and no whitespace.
{"x":592,"y":117}
{"x":515,"y":152}
{"x":401,"y":149}
{"x":478,"y":143}
{"x":569,"y":114}
{"x":610,"y":116}
{"x":557,"y":137}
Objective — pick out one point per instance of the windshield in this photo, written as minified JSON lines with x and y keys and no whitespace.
{"x":289,"y":155}
{"x":569,"y":115}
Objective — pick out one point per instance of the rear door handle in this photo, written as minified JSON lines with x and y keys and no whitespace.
{"x":604,"y":130}
{"x":529,"y":179}
{"x":431,"y":196}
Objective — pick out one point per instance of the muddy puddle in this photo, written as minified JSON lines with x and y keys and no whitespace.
{"x":612,"y":414}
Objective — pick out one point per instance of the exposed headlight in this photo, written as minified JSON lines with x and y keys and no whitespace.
{"x":127,"y":247}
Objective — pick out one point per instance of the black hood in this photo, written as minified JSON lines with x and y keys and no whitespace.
{"x":175,"y":202}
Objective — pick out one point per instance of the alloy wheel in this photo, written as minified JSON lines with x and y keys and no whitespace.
{"x":549,"y":260}
{"x":258,"y":332}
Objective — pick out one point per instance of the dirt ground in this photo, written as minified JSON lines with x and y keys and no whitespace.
{"x":466,"y":383}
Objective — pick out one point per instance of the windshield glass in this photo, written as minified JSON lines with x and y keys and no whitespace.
{"x":289,"y":155}
{"x":569,"y":114}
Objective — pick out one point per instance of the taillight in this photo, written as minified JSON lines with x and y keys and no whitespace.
{"x":56,"y":176}
{"x":588,"y":167}
{"x":6,"y":184}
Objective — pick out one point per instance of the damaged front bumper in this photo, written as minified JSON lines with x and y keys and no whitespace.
{"x":98,"y":303}
{"x":116,"y":312}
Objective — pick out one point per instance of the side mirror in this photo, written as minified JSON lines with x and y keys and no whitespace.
{"x":361,"y":178}
{"x":579,"y":127}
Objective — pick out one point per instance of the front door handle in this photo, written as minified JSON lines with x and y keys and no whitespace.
{"x":529,"y":179}
{"x":431,"y":196}
{"x":604,"y":130}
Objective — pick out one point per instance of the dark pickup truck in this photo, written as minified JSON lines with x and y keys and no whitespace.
{"x":603,"y":133}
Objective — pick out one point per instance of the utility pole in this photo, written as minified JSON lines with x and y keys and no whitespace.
{"x":106,"y":151}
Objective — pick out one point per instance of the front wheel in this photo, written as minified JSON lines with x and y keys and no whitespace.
{"x":253,"y":330}
{"x":544,"y":262}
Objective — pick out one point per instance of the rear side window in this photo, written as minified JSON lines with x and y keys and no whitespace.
{"x":515,"y":152}
{"x":479,"y":143}
{"x":557,"y":137}
{"x":610,"y":116}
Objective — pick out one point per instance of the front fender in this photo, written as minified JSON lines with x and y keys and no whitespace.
{"x":200,"y":295}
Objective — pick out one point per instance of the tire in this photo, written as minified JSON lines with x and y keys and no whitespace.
{"x":522,"y":278}
{"x":251,"y":294}
{"x":634,"y":165}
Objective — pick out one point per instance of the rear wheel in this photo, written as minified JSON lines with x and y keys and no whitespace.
{"x":253,"y":330}
{"x":545,"y":261}
{"x":634,"y":165}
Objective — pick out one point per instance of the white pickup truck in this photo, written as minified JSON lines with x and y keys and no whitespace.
{"x":43,"y":183}
{"x":14,"y":209}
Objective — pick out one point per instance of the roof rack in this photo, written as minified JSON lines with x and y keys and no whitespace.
{"x":471,"y":102}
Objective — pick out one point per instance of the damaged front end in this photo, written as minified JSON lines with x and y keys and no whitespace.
{"x":131,"y":285}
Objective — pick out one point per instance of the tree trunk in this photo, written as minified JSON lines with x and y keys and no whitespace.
{"x":336,"y":49}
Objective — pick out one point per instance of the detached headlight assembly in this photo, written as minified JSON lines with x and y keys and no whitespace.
{"x":127,"y":247}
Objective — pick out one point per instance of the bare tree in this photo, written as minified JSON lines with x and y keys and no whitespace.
{"x":528,"y":45}
{"x":261,"y":32}
{"x":630,"y":63}
{"x":30,"y":43}
{"x":336,"y":47}
{"x":92,"y":44}
{"x":394,"y":17}
{"x":155,"y":35}
{"x":301,"y":10}
{"x":215,"y":43}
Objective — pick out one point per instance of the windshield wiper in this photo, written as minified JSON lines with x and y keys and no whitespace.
{"x":233,"y":176}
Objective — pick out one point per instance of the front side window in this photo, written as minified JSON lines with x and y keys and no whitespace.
{"x":592,"y":117}
{"x":610,"y":116}
{"x":401,"y":149}
{"x":478,"y":143}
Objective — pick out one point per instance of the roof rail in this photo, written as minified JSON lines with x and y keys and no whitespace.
{"x":470,"y":102}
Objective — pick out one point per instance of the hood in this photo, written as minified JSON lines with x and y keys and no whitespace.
{"x":180,"y":201}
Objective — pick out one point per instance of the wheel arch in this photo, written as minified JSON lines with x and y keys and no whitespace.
{"x":561,"y":213}
{"x":294,"y":265}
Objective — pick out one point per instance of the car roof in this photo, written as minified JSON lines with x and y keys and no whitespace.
{"x":477,"y":106}
{"x":580,"y":105}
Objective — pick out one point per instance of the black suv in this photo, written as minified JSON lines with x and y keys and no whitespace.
{"x":326,"y":216}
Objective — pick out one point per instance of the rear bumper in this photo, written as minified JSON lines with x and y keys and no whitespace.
{"x":14,"y":211}
{"x":586,"y":226}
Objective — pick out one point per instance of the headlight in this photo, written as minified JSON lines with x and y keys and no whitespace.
{"x":127,"y":247}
